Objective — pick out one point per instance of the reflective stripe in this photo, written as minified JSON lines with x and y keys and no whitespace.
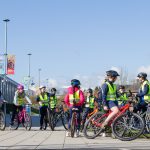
{"x":111,"y":95}
{"x":75,"y":97}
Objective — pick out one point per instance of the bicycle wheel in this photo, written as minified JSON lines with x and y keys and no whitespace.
{"x":146,"y":131}
{"x":73,"y":125}
{"x":128,"y":126}
{"x":15,"y":123}
{"x":2,"y":121}
{"x":51,"y":120}
{"x":27,"y":122}
{"x":92,"y":127}
{"x":65,"y":119}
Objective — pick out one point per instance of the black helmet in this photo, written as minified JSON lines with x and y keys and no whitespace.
{"x":53,"y":90}
{"x":121,"y":87}
{"x":75,"y":82}
{"x":142,"y":74}
{"x":112,"y":73}
{"x":90,"y":91}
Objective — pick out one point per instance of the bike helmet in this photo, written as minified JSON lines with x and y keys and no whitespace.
{"x":75,"y":82}
{"x":42,"y":86}
{"x":90,"y":91}
{"x":142,"y":74}
{"x":112,"y":73}
{"x":20,"y":87}
{"x":53,"y":90}
{"x":121,"y":87}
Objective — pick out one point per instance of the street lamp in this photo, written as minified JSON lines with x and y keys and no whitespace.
{"x":39,"y":76}
{"x":6,"y":20}
{"x":29,"y":64}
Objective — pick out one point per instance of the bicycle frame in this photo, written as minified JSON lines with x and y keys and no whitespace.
{"x":122,"y":109}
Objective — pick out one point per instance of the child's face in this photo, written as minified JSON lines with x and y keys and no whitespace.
{"x":20,"y":90}
{"x":121,"y":90}
{"x":88,"y":94}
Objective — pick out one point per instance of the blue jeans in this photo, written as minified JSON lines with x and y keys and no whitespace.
{"x":78,"y":117}
{"x":85,"y":113}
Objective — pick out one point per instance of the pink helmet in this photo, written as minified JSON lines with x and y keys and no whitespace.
{"x":20,"y":87}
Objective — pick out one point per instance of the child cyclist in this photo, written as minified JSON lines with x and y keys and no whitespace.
{"x":19,"y":101}
{"x":109,"y":96}
{"x":74,"y":94}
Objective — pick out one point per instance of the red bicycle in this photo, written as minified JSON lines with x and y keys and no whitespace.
{"x":24,"y":118}
{"x":126,"y":125}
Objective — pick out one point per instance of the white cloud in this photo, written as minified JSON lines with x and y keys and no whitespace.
{"x":116,"y":69}
{"x":145,"y":69}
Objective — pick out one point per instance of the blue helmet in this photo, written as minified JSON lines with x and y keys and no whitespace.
{"x":75,"y":82}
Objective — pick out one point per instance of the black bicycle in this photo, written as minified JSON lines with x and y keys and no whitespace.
{"x":59,"y":115}
{"x":146,"y":116}
{"x":3,"y":115}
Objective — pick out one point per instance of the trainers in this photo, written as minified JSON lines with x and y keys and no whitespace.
{"x":68,"y":134}
{"x":41,"y":128}
{"x":76,"y":134}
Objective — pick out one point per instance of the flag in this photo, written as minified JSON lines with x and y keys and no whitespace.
{"x":2,"y":64}
{"x":10,"y":64}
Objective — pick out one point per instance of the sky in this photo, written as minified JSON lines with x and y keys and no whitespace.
{"x":76,"y":38}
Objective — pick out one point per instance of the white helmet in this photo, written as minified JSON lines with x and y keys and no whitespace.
{"x":42,"y":86}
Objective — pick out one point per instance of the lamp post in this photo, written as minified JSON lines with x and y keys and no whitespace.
{"x":39,"y":76}
{"x":6,"y":21}
{"x":29,"y":64}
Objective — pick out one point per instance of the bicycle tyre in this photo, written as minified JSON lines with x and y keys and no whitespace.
{"x":65,"y":119}
{"x":15,"y":123}
{"x":146,"y":131}
{"x":72,"y":128}
{"x":91,"y":130}
{"x":2,"y":121}
{"x":28,"y":122}
{"x":133,"y":121}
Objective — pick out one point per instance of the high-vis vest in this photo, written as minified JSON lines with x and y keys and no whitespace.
{"x":75,"y":97}
{"x":122,"y":97}
{"x":90,"y":102}
{"x":45,"y":98}
{"x":111,"y":95}
{"x":20,"y":98}
{"x":53,"y":101}
{"x":147,"y":96}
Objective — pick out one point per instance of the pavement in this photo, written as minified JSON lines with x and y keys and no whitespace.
{"x":47,"y":139}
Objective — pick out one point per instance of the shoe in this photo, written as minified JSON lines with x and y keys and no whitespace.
{"x":68,"y":134}
{"x":76,"y":134}
{"x":104,"y":124}
{"x":45,"y":128}
{"x":103,"y":134}
{"x":41,"y":128}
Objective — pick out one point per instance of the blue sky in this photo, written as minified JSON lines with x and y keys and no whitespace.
{"x":76,"y":38}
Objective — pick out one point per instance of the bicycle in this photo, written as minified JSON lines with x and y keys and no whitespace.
{"x":146,"y":116}
{"x":124,"y":124}
{"x":58,"y":115}
{"x":22,"y":117}
{"x":74,"y":121}
{"x":3,"y":115}
{"x":88,"y":116}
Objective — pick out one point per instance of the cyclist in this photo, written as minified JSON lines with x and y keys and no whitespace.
{"x":109,"y":96}
{"x":19,"y":101}
{"x":89,"y":105}
{"x":53,"y":99}
{"x":123,"y":96}
{"x":43,"y":99}
{"x":74,"y":95}
{"x":144,"y":92}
